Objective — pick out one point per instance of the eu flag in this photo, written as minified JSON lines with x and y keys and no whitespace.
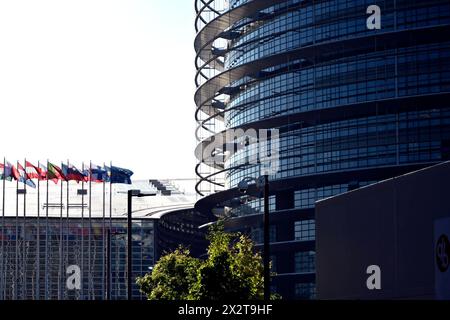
{"x":120,"y":175}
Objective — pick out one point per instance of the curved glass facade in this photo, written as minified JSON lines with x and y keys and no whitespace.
{"x":36,"y":252}
{"x":361,"y":78}
{"x":352,"y":105}
{"x":48,"y":232}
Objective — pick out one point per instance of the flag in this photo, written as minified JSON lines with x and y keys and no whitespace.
{"x":20,"y":175}
{"x":32,"y":171}
{"x":86,"y":174}
{"x":108,"y":174}
{"x":98,"y":173}
{"x":54,"y":173}
{"x":5,"y":172}
{"x":120,"y":175}
{"x":70,"y":172}
{"x":42,"y":172}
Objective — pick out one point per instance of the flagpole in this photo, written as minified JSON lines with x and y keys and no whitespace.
{"x":82,"y":233}
{"x":60,"y":274}
{"x":90,"y":229}
{"x":67,"y":221}
{"x":110,"y":227}
{"x":3,"y":231}
{"x":46,"y":240}
{"x":24,"y":268}
{"x":16,"y":271}
{"x":38,"y":235}
{"x":103,"y":234}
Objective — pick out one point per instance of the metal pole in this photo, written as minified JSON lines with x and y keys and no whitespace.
{"x":24,"y":235}
{"x":266,"y":240}
{"x":61,"y":247}
{"x":38,"y":237}
{"x":66,"y":262}
{"x":2,"y":276}
{"x":16,"y":271}
{"x":108,"y":264}
{"x":109,"y":175}
{"x":90,"y":274}
{"x":129,"y":246}
{"x":103,"y":239}
{"x":82,"y":235}
{"x":46,"y":239}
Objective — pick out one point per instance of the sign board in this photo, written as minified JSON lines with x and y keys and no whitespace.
{"x":442,"y":258}
{"x":82,"y":192}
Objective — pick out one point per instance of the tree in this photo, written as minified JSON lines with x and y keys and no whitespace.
{"x":172,"y":277}
{"x":232,"y":270}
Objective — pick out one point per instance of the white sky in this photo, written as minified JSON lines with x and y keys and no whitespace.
{"x":99,"y":80}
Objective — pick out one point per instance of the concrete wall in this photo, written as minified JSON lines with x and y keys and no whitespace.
{"x":389,"y":224}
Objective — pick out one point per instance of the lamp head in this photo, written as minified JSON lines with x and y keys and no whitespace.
{"x":243,"y":186}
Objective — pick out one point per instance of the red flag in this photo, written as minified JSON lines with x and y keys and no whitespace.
{"x":32,"y":171}
{"x":21,"y":175}
{"x":15,"y":173}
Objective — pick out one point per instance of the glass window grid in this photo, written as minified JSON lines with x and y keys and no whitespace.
{"x":257,"y":234}
{"x":353,"y":80}
{"x":305,"y":230}
{"x":67,"y":242}
{"x":315,"y":24}
{"x":304,"y":261}
{"x":374,"y":141}
{"x":305,"y":290}
{"x":254,"y":206}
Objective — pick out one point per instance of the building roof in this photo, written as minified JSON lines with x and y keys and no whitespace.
{"x":70,"y":201}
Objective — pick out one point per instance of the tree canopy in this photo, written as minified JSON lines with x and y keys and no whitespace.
{"x":232,"y":270}
{"x":171,"y":278}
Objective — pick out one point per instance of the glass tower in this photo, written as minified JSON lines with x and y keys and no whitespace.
{"x":354,"y":102}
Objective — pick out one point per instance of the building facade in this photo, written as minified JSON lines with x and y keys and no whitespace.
{"x":69,"y":242}
{"x":177,"y":227}
{"x":37,"y":254}
{"x":357,"y":89}
{"x":397,"y":249}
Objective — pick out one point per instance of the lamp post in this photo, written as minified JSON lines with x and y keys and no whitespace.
{"x":262,"y":183}
{"x":266,"y":240}
{"x":132,"y":193}
{"x":108,"y":264}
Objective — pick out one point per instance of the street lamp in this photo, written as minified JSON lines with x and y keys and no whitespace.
{"x":208,"y":224}
{"x":132,"y":193}
{"x":234,"y":204}
{"x":262,"y":183}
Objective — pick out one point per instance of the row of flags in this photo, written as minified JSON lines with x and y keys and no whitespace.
{"x":67,"y":172}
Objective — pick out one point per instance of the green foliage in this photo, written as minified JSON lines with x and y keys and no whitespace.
{"x":232,"y":271}
{"x":171,"y":278}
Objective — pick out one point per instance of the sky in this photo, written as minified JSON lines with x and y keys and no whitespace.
{"x":99,"y":80}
